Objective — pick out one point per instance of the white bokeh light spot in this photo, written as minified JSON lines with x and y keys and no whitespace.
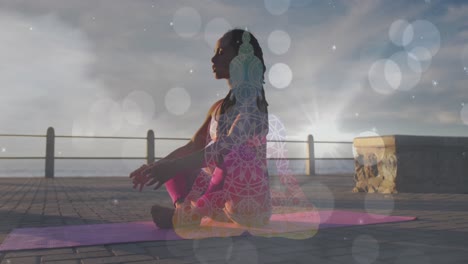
{"x":131,"y":148}
{"x":378,"y":154}
{"x":411,"y":256}
{"x":203,"y":249}
{"x":426,"y":36}
{"x":243,"y":252}
{"x":464,"y":58}
{"x":400,"y":32}
{"x":365,"y":249}
{"x":104,"y":115}
{"x":419,"y":59}
{"x":187,"y":22}
{"x":82,"y":127}
{"x":277,"y":7}
{"x":464,"y":114}
{"x":215,"y":29}
{"x":138,"y":107}
{"x":132,"y":112}
{"x":392,"y":74}
{"x":323,"y":200}
{"x":177,"y":101}
{"x":377,"y":76}
{"x":280,"y":75}
{"x":379,"y":206}
{"x":410,"y":70}
{"x":279,"y":42}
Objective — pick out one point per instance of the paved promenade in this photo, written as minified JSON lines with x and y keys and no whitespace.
{"x":440,"y":235}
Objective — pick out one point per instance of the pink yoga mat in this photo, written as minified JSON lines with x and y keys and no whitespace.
{"x":100,"y":234}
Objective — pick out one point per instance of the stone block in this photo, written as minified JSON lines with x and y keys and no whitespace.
{"x":403,"y":163}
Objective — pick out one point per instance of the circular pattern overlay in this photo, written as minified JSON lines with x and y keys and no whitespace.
{"x":105,"y":114}
{"x":365,"y":249}
{"x":410,"y":70}
{"x":426,"y":35}
{"x":420,"y":59}
{"x":384,"y":76}
{"x":243,"y":252}
{"x":130,"y":148}
{"x":215,"y":29}
{"x":279,"y":42}
{"x":275,"y":138}
{"x":323,"y":199}
{"x":177,"y":101}
{"x":203,"y":249}
{"x":392,"y":74}
{"x":401,"y":32}
{"x":464,"y":114}
{"x":464,"y":58}
{"x":379,"y":206}
{"x":138,"y":107}
{"x":277,"y":7}
{"x":187,"y":22}
{"x":411,"y":256}
{"x":280,"y":75}
{"x":370,"y":159}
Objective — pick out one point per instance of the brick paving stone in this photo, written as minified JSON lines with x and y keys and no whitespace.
{"x":159,"y":252}
{"x":71,"y":261}
{"x":357,"y":259}
{"x":117,"y":259}
{"x":91,"y":249}
{"x":149,"y":262}
{"x":163,"y":261}
{"x":153,"y":244}
{"x":92,"y":254}
{"x":440,"y":231}
{"x":41,"y":252}
{"x":21,"y":260}
{"x":127,"y":249}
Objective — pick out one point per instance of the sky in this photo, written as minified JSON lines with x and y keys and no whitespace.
{"x":335,"y":69}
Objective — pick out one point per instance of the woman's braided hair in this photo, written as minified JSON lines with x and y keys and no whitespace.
{"x":235,"y":40}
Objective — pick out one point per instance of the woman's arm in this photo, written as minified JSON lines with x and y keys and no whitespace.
{"x":243,"y":129}
{"x":198,"y":140}
{"x":181,"y":159}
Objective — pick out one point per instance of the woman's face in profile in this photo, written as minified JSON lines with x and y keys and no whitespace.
{"x":224,"y":53}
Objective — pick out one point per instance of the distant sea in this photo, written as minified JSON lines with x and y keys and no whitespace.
{"x":106,"y":168}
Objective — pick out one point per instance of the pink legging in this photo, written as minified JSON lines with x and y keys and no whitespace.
{"x":220,"y":196}
{"x":198,"y":181}
{"x":239,"y":190}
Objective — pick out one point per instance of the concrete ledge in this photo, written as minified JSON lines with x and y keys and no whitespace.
{"x":404,"y":163}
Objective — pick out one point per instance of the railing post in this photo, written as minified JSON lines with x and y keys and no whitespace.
{"x":310,"y":141}
{"x":50,"y":146}
{"x":150,"y":147}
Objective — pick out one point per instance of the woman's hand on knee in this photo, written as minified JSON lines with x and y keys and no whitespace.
{"x":160,"y":172}
{"x":140,"y":179}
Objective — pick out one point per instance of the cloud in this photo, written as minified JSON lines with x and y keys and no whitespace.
{"x":105,"y":54}
{"x":455,"y":13}
{"x":45,"y":77}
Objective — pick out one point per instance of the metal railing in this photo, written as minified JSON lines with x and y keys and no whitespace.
{"x":150,"y":149}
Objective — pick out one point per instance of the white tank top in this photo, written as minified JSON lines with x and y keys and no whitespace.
{"x":214,"y":124}
{"x":213,"y":127}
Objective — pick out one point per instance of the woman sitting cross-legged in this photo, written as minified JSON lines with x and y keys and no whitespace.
{"x":222,"y":172}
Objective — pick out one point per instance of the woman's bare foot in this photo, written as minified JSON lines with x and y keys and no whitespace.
{"x":162,"y":216}
{"x":186,"y":216}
